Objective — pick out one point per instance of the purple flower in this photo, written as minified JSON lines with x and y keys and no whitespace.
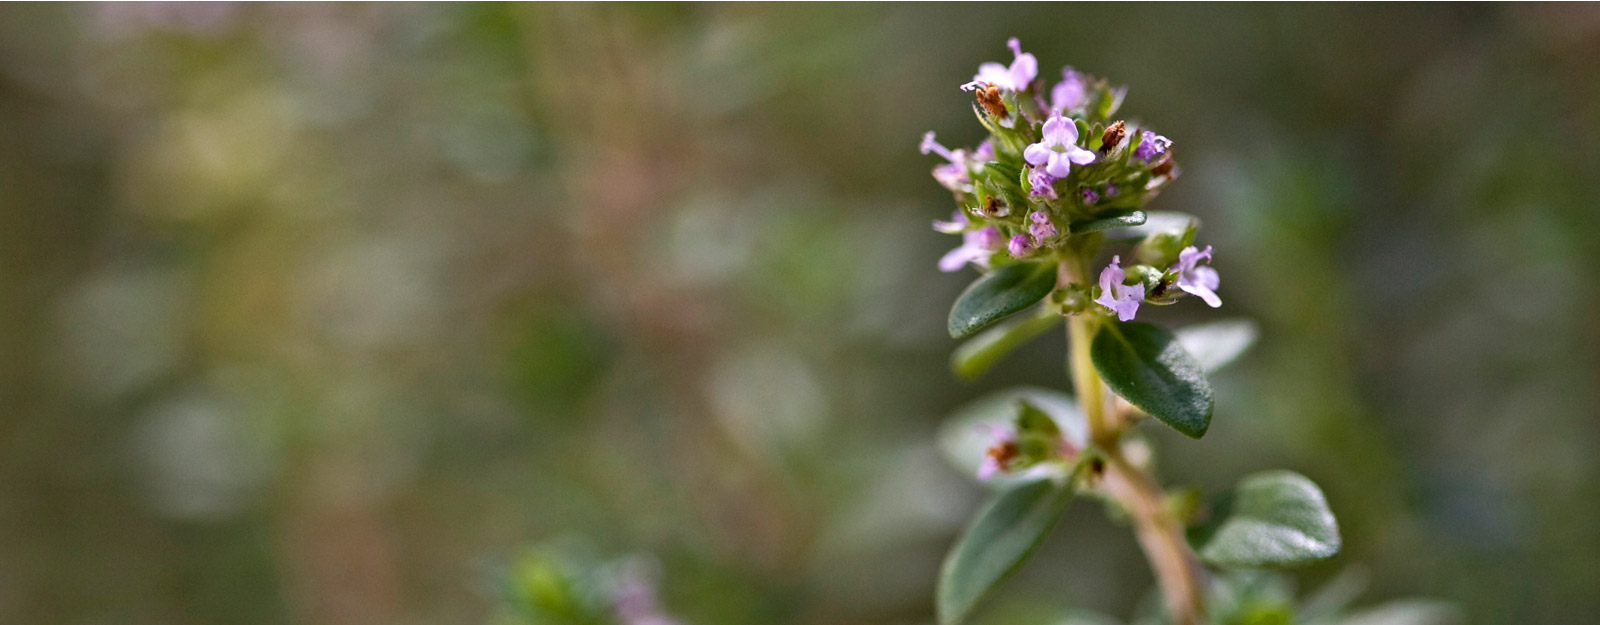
{"x":976,"y":246}
{"x":1041,"y":228}
{"x":1024,"y":68}
{"x":1151,"y":145}
{"x":1089,"y":196}
{"x":1002,"y":450}
{"x":1198,"y":280}
{"x":1111,"y":190}
{"x":1058,"y":149}
{"x":1070,"y":93}
{"x":1042,"y":182}
{"x":634,"y":600}
{"x":1118,"y":297}
{"x":1020,"y":246}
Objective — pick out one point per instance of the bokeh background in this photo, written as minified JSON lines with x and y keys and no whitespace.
{"x":319,"y":313}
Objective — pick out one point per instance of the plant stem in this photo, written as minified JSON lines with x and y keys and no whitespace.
{"x":1160,"y":535}
{"x":1176,"y":568}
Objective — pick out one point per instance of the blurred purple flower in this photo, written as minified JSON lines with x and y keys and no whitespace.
{"x":985,"y":151}
{"x":976,"y":246}
{"x":1024,"y":68}
{"x":1111,"y":190}
{"x":1151,"y":145}
{"x":1071,"y":92}
{"x":1089,"y":196}
{"x":952,"y":176}
{"x":958,"y":222}
{"x":1198,"y":280}
{"x":635,"y":599}
{"x":1116,"y":296}
{"x":1058,"y":149}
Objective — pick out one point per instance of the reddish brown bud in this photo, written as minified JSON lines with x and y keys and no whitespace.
{"x":989,"y":97}
{"x":1112,"y":137}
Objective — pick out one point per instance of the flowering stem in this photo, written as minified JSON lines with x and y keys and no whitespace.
{"x":1160,"y":535}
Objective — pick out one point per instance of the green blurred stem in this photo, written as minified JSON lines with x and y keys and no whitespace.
{"x":1160,"y":535}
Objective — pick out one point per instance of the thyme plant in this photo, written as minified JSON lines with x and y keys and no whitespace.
{"x":1062,"y":182}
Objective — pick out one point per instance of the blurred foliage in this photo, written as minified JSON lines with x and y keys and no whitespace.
{"x":317,"y":313}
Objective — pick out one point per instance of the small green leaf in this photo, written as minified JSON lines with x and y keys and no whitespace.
{"x":1408,"y":612}
{"x":1272,"y":518}
{"x":963,"y":437}
{"x":999,"y":293}
{"x":999,"y":540}
{"x":1107,"y":221}
{"x":1148,"y":367}
{"x":1110,"y":101}
{"x":1215,"y":344}
{"x":1155,"y":221}
{"x":981,"y":352}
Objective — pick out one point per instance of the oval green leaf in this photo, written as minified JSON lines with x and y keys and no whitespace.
{"x":1155,"y":221}
{"x":1147,"y":366}
{"x":1117,"y":219}
{"x":999,"y":293}
{"x":1005,"y":532}
{"x":981,"y":352}
{"x":1215,"y":344}
{"x":964,"y":439}
{"x":1272,"y":518}
{"x":1408,"y":612}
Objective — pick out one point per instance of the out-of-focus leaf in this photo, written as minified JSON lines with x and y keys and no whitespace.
{"x":1148,"y":367}
{"x":1078,"y":616}
{"x":1154,"y":221}
{"x":1005,"y":532}
{"x":1215,"y":344}
{"x":981,"y":352}
{"x":1250,"y":597}
{"x":963,"y":439}
{"x":1407,"y":612}
{"x":1117,"y":219}
{"x":1333,"y":597}
{"x":1272,"y":518}
{"x":1110,"y":101}
{"x":1000,"y":293}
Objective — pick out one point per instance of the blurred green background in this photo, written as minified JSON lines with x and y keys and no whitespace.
{"x":318,"y":313}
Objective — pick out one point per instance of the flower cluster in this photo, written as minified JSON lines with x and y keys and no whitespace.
{"x":1059,"y":185}
{"x":1057,"y":169}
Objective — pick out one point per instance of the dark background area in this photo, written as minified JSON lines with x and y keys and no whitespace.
{"x":317,"y":313}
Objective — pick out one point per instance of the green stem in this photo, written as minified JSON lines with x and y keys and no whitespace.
{"x":1160,"y":535}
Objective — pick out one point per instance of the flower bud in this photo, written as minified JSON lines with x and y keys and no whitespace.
{"x":1149,"y":276}
{"x":1020,"y":245}
{"x":989,"y":98}
{"x":1112,"y":136}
